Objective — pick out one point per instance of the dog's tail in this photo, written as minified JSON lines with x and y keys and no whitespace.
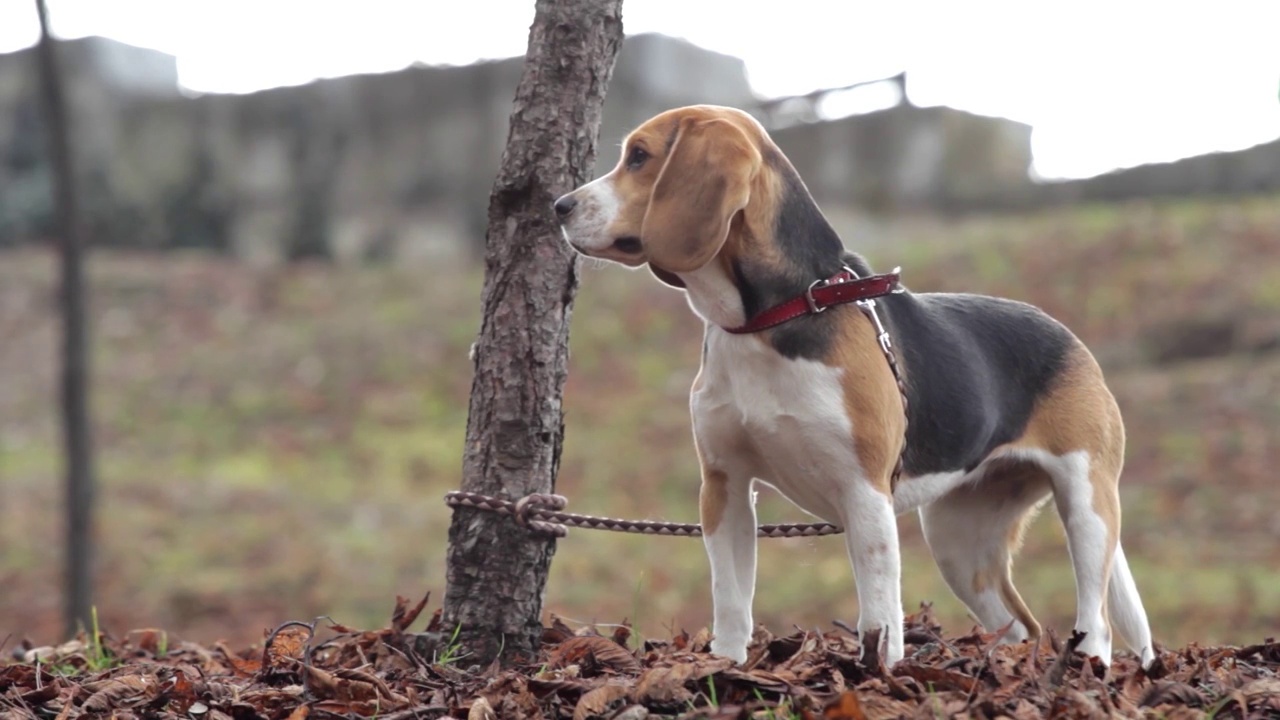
{"x":1014,"y":603}
{"x":1128,"y":617}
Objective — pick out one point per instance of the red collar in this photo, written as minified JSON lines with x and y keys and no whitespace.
{"x":843,"y":287}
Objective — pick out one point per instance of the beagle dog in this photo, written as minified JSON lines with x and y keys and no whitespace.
{"x":1005,"y":407}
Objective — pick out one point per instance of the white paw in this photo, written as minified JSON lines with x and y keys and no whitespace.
{"x":736,"y":651}
{"x":890,"y":641}
{"x":1096,"y":644}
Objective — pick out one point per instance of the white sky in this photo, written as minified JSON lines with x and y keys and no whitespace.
{"x":1105,"y":84}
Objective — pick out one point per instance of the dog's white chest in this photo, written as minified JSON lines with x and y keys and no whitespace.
{"x":782,"y":421}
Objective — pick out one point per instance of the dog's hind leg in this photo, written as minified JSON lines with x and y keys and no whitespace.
{"x":1128,"y":616}
{"x":973,"y":532}
{"x":1089,"y":506}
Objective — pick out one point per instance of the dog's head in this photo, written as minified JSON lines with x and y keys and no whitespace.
{"x":672,"y":198}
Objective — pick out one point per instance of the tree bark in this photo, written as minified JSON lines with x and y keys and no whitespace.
{"x":74,"y":388}
{"x":497,"y":571}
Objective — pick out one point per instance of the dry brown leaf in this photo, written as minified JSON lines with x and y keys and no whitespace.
{"x":632,"y":712}
{"x":681,"y":641}
{"x":148,"y":639}
{"x":111,"y":694}
{"x":555,"y":634}
{"x":559,"y":628}
{"x":663,"y":685}
{"x":481,"y":710}
{"x":1025,"y":710}
{"x":1268,"y":651}
{"x":1168,"y":691}
{"x":622,"y":633}
{"x":383,"y":689}
{"x":783,"y":648}
{"x":49,"y":653}
{"x":65,"y":712}
{"x":286,"y":645}
{"x":938,"y":680}
{"x":18,"y":676}
{"x":349,"y":708}
{"x":1071,"y":703}
{"x":1058,"y":671}
{"x":667,"y":684}
{"x":596,"y":702}
{"x":403,"y":616}
{"x":872,"y":659}
{"x":1262,"y":688}
{"x":40,"y":695}
{"x":701,"y":642}
{"x":880,"y":707}
{"x":1172,"y":712}
{"x":240,"y":666}
{"x":436,"y":624}
{"x":328,"y":686}
{"x":300,"y":713}
{"x":559,"y":685}
{"x":602,"y":651}
{"x":266,"y":701}
{"x":762,"y":680}
{"x":179,"y":691}
{"x":845,"y":707}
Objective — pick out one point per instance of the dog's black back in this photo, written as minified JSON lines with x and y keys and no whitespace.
{"x":974,"y":366}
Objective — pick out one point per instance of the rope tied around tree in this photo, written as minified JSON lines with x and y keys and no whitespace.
{"x":543,"y":513}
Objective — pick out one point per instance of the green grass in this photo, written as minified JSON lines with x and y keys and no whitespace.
{"x":275,"y":444}
{"x":452,"y":651}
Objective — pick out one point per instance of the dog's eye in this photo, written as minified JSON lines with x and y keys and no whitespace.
{"x":636,"y":158}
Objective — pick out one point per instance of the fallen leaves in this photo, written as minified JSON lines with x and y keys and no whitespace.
{"x":593,"y":651}
{"x":318,"y":671}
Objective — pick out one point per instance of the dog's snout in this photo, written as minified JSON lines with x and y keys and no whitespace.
{"x":565,"y":205}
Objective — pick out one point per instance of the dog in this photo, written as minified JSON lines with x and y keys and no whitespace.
{"x":1000,"y":406}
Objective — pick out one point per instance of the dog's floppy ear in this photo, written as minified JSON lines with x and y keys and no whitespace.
{"x":705,"y":181}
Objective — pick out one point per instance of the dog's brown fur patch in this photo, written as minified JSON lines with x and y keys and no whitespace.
{"x":1080,"y":413}
{"x":871,"y":397}
{"x":712,"y":499}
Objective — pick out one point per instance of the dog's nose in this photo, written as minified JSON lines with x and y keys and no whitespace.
{"x":565,"y":205}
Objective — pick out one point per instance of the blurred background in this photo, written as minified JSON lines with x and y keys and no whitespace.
{"x":286,"y":202}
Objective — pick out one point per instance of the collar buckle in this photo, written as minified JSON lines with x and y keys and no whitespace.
{"x":846,"y":275}
{"x":814,"y":308}
{"x":897,"y":284}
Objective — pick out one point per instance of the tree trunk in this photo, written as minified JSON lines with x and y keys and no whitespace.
{"x":78,"y":588}
{"x":497,"y":571}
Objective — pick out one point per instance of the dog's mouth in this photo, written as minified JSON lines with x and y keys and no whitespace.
{"x":628,"y":245}
{"x":668,"y":278}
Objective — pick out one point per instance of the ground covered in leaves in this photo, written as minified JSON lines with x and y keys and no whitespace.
{"x":320,"y":669}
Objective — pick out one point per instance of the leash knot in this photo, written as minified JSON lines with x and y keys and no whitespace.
{"x":530,"y":506}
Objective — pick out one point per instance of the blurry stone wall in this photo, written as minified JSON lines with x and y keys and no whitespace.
{"x":394,"y":163}
{"x":911,"y":159}
{"x":1251,"y":171}
{"x":401,"y":163}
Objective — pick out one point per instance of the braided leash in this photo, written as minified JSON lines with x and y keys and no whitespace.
{"x":542,"y":513}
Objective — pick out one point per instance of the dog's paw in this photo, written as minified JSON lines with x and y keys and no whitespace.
{"x":736,"y":652}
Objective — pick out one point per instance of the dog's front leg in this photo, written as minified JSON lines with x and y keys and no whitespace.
{"x":728,"y":514}
{"x":871,"y":535}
